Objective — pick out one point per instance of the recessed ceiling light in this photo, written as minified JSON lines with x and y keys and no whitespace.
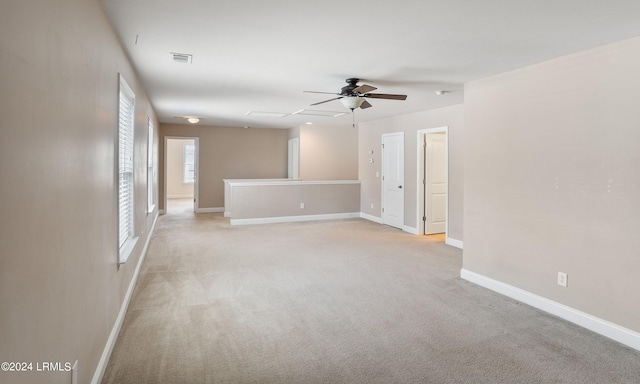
{"x":193,"y":120}
{"x":309,"y":123}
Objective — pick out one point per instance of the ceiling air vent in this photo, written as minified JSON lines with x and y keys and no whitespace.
{"x":266,"y":114}
{"x":185,"y":58}
{"x":310,"y":112}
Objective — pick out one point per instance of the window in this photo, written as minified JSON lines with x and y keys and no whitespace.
{"x":126,"y":239}
{"x":150,"y":169}
{"x":189,"y":163}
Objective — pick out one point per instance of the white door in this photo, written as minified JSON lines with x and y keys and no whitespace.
{"x":393,"y":179}
{"x":436,"y":183}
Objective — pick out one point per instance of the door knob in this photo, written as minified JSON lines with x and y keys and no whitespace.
{"x":400,"y":186}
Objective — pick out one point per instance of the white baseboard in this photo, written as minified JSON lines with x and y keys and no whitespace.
{"x":411,"y":230}
{"x":210,"y":210}
{"x":405,"y":228}
{"x":454,"y":243}
{"x":603,"y":327}
{"x":291,"y":219}
{"x":113,"y":336}
{"x":199,"y":210}
{"x":180,"y":196}
{"x":375,"y":219}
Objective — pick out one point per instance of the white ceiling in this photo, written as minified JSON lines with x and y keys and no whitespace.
{"x":259,"y":55}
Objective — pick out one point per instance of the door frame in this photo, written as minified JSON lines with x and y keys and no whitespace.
{"x":196,"y":176}
{"x":421,"y":178}
{"x":382,"y":205}
{"x":293,"y":158}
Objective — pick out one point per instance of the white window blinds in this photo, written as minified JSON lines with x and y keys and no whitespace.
{"x":125,"y":163}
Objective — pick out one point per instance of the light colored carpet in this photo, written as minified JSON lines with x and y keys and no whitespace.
{"x":345,"y":301}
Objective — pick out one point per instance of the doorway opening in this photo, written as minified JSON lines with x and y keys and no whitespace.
{"x":180,"y":175}
{"x":433,"y":183}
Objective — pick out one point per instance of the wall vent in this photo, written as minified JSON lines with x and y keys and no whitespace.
{"x":185,"y":58}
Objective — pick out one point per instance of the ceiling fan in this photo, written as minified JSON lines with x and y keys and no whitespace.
{"x":353,"y":96}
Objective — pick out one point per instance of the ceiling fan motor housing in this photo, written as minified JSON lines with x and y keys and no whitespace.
{"x":347,"y":90}
{"x":353,"y":95}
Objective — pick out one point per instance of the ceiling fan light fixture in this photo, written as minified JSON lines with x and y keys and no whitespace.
{"x":352,"y":102}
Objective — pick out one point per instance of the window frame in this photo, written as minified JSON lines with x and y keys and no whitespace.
{"x":151,"y":169}
{"x":125,"y":155}
{"x":185,"y":172}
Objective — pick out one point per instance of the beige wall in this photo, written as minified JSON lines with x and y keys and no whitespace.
{"x":176,"y":187}
{"x":294,"y":133}
{"x":328,"y":152}
{"x":60,"y":286}
{"x":370,"y":139}
{"x":552,"y":181}
{"x":230,"y":153}
{"x":283,"y":199}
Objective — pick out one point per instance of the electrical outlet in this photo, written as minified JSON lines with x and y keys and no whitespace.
{"x":301,"y":205}
{"x":563,"y":279}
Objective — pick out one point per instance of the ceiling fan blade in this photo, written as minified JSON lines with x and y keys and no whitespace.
{"x":326,"y":101}
{"x":385,"y":96}
{"x":328,"y":93}
{"x":364,"y":88}
{"x":365,"y":104}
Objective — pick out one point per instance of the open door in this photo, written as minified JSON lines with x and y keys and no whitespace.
{"x":432,"y":180}
{"x":436,"y":183}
